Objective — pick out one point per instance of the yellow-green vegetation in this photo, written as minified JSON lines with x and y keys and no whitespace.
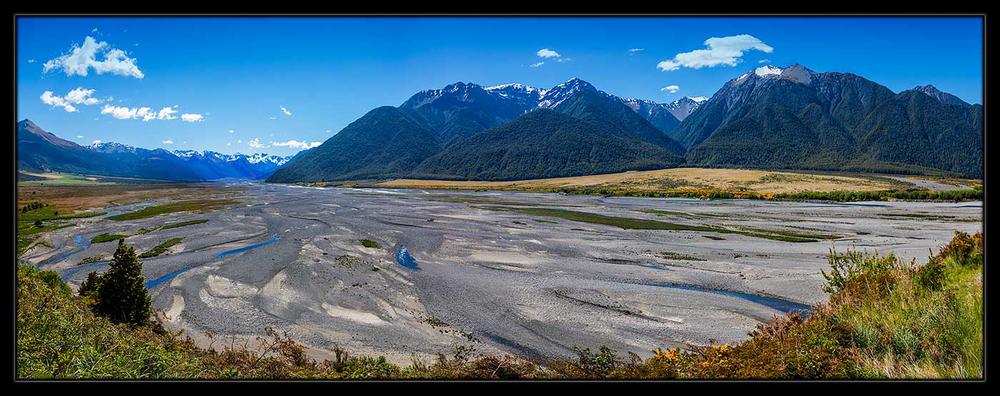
{"x":475,"y":199}
{"x":92,"y":259}
{"x":107,"y":237}
{"x":196,"y":205}
{"x":678,"y":256}
{"x":58,"y":179}
{"x":716,"y":183}
{"x":627,"y":223}
{"x":368,"y":243}
{"x":35,"y":218}
{"x":885,"y":319}
{"x":159,"y":249}
{"x":183,"y":223}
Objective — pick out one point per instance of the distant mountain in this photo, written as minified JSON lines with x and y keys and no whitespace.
{"x":683,"y":107}
{"x":460,"y":110}
{"x":544,"y":143}
{"x":770,"y":117}
{"x":41,"y":151}
{"x":794,"y":118}
{"x":610,"y":114}
{"x":210,"y":165}
{"x":385,"y":142}
{"x":38,"y":150}
{"x":656,"y":113}
{"x":435,"y":120}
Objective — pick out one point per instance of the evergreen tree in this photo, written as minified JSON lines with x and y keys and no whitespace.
{"x":122,"y":295}
{"x":91,"y":286}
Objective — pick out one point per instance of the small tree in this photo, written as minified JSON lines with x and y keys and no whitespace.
{"x":91,"y":286}
{"x":122,"y":295}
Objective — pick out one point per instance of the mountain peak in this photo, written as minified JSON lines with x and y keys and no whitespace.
{"x":796,"y":73}
{"x":940,"y":95}
{"x":767,"y":70}
{"x":26,"y":123}
{"x":576,"y":82}
{"x":557,"y":94}
{"x":460,"y":86}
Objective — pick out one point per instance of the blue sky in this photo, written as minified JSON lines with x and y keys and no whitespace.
{"x":238,"y":73}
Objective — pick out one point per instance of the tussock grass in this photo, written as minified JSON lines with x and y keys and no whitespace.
{"x":627,"y":223}
{"x":197,"y":205}
{"x":183,"y":223}
{"x":107,"y":237}
{"x":159,"y":249}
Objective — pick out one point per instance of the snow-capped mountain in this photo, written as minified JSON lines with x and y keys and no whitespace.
{"x":211,"y":165}
{"x":42,"y":151}
{"x":683,"y":107}
{"x":795,"y":118}
{"x":941,"y":96}
{"x":112,"y":147}
{"x":552,"y":98}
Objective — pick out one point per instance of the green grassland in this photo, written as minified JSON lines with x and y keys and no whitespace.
{"x":159,"y":249}
{"x":34,"y":221}
{"x":197,"y":206}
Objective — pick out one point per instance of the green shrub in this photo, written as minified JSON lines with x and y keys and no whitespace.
{"x":122,"y":295}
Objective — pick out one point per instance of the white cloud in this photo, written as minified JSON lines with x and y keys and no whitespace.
{"x":192,"y":117}
{"x":82,"y":58}
{"x":166,"y":113}
{"x":56,"y":101}
{"x":255,"y":143}
{"x":139,"y":113}
{"x":634,"y":50}
{"x":168,"y":141}
{"x":284,"y":110}
{"x":764,"y":61}
{"x":296,"y":144}
{"x":547,"y":53}
{"x":78,"y":96}
{"x":31,"y":61}
{"x":82,"y":96}
{"x":96,"y":142}
{"x":536,"y":64}
{"x":79,"y":136}
{"x":232,"y":131}
{"x":671,"y":88}
{"x":721,"y":51}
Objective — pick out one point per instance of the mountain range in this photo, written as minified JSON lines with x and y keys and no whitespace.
{"x":789,"y":118}
{"x":769,"y":118}
{"x":42,"y":151}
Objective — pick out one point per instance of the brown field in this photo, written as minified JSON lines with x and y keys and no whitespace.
{"x":678,"y":179}
{"x":82,"y":197}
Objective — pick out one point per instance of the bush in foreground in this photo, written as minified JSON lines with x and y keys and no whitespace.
{"x":885,"y":319}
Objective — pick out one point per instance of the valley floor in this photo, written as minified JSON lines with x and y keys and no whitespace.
{"x":703,"y":179}
{"x":527,"y":274}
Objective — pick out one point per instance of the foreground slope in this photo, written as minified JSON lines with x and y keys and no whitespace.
{"x":385,"y":142}
{"x":544,"y":143}
{"x":884,"y":319}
